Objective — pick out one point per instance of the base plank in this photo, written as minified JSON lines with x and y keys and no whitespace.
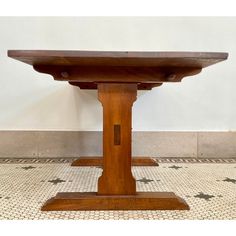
{"x":97,"y":161}
{"x":76,"y":201}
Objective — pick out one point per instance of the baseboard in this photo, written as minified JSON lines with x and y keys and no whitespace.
{"x":61,"y":144}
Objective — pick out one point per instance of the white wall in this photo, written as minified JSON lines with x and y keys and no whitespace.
{"x":34,"y":101}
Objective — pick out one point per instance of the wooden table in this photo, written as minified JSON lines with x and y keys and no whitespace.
{"x":117,"y":76}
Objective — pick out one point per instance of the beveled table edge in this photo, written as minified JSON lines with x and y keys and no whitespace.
{"x":117,"y":54}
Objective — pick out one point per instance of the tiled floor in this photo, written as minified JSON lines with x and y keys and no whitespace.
{"x":208,"y":188}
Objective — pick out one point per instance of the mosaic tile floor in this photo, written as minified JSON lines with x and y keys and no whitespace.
{"x":208,"y":188}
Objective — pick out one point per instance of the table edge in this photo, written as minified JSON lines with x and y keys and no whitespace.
{"x":116,"y":54}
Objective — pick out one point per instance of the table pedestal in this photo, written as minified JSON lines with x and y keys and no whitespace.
{"x":116,"y":185}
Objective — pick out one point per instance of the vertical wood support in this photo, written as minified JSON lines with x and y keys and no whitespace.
{"x":117,"y":101}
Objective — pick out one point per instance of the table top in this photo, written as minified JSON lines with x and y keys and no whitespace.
{"x":118,"y":58}
{"x":87,"y":68}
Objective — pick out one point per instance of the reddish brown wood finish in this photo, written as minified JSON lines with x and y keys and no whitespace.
{"x":142,"y":75}
{"x":92,"y":85}
{"x":117,"y":76}
{"x":92,"y":201}
{"x":117,"y":58}
{"x":117,"y":101}
{"x":98,"y":160}
{"x":148,"y":69}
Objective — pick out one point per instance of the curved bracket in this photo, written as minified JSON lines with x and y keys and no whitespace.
{"x":87,"y":77}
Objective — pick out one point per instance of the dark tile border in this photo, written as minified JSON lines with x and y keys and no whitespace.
{"x":69,"y":160}
{"x":197,"y":160}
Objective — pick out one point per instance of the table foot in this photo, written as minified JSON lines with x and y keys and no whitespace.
{"x":76,"y":201}
{"x":97,"y":161}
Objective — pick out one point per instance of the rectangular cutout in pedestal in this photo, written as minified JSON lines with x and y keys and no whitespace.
{"x":116,"y":134}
